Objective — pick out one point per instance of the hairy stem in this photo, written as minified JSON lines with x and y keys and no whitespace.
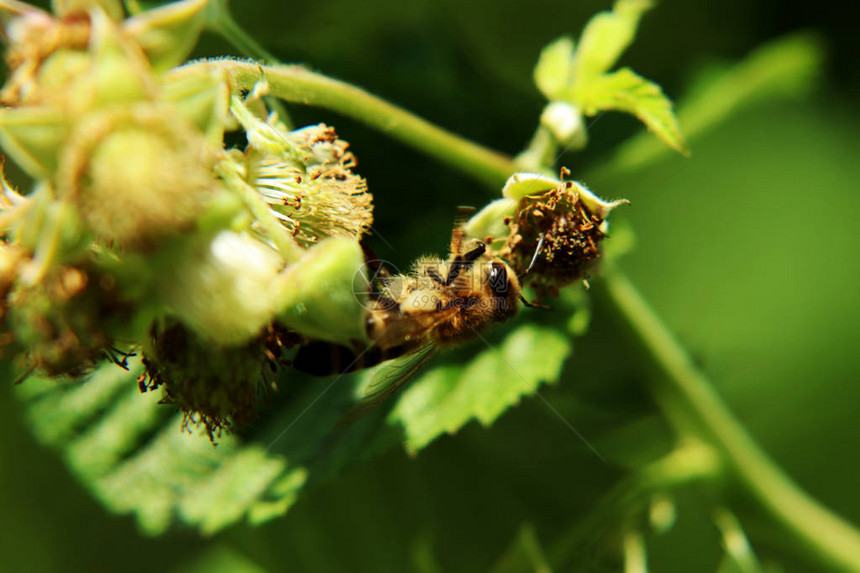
{"x":828,"y":537}
{"x":221,"y":22}
{"x":298,"y":85}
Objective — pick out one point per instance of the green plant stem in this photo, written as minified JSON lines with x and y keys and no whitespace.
{"x":832,"y":539}
{"x":541,"y":150}
{"x":829,"y":538}
{"x":298,"y":85}
{"x":220,"y":21}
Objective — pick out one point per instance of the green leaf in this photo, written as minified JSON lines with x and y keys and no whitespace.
{"x":553,"y":71}
{"x":605,"y":38}
{"x":786,"y":67}
{"x":446,"y":398}
{"x":626,"y":91}
{"x":131,"y":451}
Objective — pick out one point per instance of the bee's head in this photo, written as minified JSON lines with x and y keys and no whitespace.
{"x":505,"y":288}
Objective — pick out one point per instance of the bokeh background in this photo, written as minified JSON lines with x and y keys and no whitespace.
{"x":748,"y":249}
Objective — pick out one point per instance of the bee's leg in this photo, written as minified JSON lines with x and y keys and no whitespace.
{"x":534,"y":304}
{"x":475,"y":253}
{"x":461,"y":261}
{"x":434,"y":274}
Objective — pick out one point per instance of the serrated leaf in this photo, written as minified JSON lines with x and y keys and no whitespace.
{"x":241,"y":479}
{"x":605,"y":38}
{"x":553,"y":71}
{"x":626,"y":91}
{"x":132,"y":454}
{"x":446,"y":398}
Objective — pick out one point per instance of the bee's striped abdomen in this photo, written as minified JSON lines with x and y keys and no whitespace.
{"x":320,"y":358}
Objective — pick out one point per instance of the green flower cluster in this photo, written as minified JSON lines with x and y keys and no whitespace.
{"x":140,"y":231}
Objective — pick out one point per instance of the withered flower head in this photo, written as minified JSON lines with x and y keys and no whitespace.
{"x":64,"y":322}
{"x":555,"y":235}
{"x":215,"y":387}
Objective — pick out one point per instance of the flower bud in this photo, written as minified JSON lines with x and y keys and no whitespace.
{"x":225,"y":288}
{"x":565,"y":123}
{"x":325,"y":294}
{"x":202,"y":99}
{"x":32,"y":137}
{"x":137,"y":175}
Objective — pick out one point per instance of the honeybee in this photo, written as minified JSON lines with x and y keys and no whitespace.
{"x":441,"y":303}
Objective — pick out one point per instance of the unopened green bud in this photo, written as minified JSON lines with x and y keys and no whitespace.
{"x":226,"y":288}
{"x":662,"y":513}
{"x":119,"y":72}
{"x":325,"y":294}
{"x":137,"y":175}
{"x":565,"y":123}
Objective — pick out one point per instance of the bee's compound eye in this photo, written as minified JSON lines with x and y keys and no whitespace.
{"x":498,"y":280}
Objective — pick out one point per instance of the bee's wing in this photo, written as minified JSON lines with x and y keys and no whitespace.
{"x":388,"y":379}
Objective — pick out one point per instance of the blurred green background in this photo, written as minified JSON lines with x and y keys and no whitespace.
{"x":747,"y":249}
